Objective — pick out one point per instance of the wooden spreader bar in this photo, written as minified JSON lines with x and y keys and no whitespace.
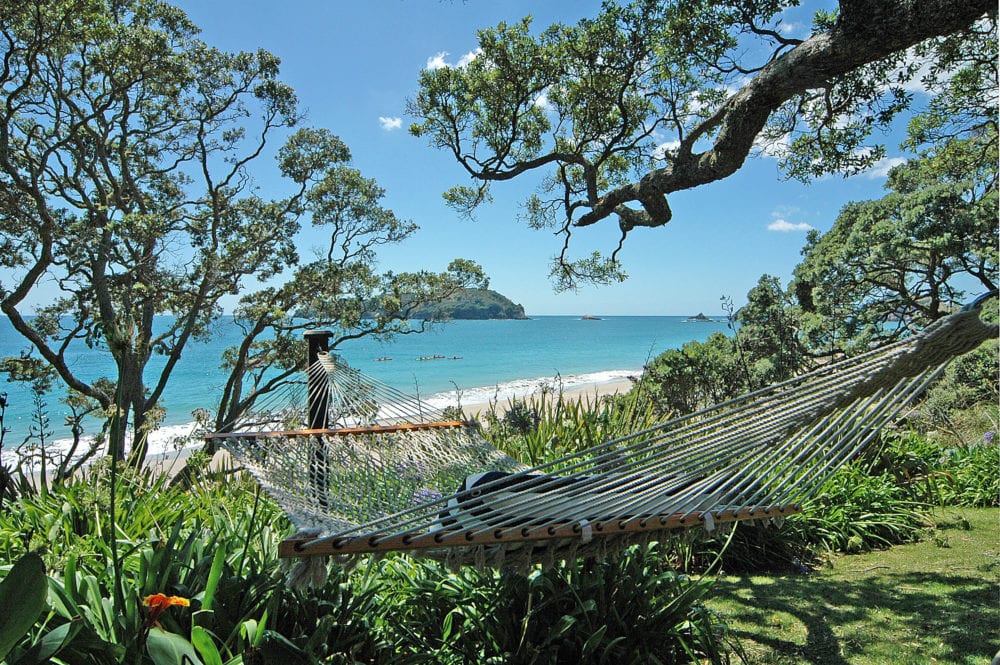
{"x":303,"y":547}
{"x":340,"y":431}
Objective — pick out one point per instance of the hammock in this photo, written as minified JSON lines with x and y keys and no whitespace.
{"x":360,"y":467}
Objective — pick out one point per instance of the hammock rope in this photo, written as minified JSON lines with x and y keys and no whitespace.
{"x":362,"y":467}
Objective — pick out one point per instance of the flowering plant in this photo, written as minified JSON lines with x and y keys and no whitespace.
{"x":158,"y":603}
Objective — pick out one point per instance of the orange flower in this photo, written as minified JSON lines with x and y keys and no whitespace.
{"x":158,"y":602}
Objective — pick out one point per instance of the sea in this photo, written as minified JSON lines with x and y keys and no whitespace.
{"x":476,"y":361}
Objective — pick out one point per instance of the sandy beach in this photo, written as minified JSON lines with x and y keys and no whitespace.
{"x":589,"y":393}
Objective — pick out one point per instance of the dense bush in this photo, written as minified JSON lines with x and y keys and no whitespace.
{"x":697,"y":375}
{"x":971,"y":379}
{"x":631,"y":610}
{"x":944,"y":472}
{"x":857,"y":511}
{"x":211,"y":552}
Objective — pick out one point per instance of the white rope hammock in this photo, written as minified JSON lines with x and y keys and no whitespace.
{"x":361,"y":467}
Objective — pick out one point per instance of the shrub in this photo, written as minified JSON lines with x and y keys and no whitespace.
{"x":971,"y":475}
{"x":215,"y":547}
{"x":548,"y":427}
{"x":856,"y":511}
{"x":942,"y":471}
{"x":632,"y":610}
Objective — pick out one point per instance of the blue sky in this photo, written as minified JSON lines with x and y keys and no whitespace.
{"x":355,"y":64}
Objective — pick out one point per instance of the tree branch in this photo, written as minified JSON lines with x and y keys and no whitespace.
{"x":864,"y":34}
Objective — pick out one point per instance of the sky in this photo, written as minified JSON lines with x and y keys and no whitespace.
{"x":354,"y":65}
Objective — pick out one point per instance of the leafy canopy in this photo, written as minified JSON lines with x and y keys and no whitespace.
{"x":654,"y":97}
{"x":128,"y":155}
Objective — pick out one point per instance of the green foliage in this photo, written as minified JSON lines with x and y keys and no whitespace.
{"x":472,"y":304}
{"x":856,"y":512}
{"x":969,"y":380}
{"x":126,"y":149}
{"x":767,"y":337}
{"x":944,"y":472}
{"x":970,"y":476}
{"x":595,"y":105}
{"x":22,"y":595}
{"x":763,"y":349}
{"x":215,"y":546}
{"x":204,"y":546}
{"x":891,"y":266}
{"x":883,"y":499}
{"x":632,"y":610}
{"x":697,"y":375}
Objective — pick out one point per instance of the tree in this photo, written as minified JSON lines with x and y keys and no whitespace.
{"x":768,"y":335}
{"x":698,"y":375}
{"x":657,"y":97}
{"x":891,"y":266}
{"x":763,"y":349}
{"x":125,"y":193}
{"x":123,"y":161}
{"x":348,"y":298}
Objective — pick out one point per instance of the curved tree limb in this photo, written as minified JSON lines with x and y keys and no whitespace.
{"x":865,"y":32}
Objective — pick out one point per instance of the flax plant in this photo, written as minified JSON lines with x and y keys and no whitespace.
{"x":549,"y":426}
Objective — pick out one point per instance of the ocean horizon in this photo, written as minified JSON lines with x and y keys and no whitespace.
{"x":474,"y":361}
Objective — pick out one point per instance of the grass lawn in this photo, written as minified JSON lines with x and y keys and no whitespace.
{"x":937,"y":601}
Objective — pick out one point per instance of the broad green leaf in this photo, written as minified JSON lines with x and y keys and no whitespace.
{"x":22,"y":597}
{"x":202,"y":641}
{"x":213,"y":577}
{"x":53,"y":641}
{"x":170,"y":649}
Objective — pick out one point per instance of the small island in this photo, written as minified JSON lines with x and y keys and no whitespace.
{"x":472,"y":304}
{"x":700,"y":317}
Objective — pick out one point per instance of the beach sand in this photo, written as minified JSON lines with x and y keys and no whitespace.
{"x":588,"y":393}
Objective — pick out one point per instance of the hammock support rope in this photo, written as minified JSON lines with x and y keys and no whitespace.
{"x":362,"y":467}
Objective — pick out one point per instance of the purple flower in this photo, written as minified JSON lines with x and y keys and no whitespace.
{"x":425,"y":495}
{"x":990,"y":437}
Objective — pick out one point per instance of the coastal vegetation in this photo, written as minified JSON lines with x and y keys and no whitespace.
{"x":194,"y":572}
{"x":130,"y":150}
{"x":615,"y":114}
{"x":127,"y":152}
{"x":130,"y":153}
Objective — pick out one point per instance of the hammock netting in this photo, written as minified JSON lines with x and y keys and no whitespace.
{"x":360,"y":467}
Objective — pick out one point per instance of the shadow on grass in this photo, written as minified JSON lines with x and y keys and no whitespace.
{"x":868,"y":617}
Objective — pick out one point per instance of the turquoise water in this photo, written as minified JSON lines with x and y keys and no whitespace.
{"x":482,"y":359}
